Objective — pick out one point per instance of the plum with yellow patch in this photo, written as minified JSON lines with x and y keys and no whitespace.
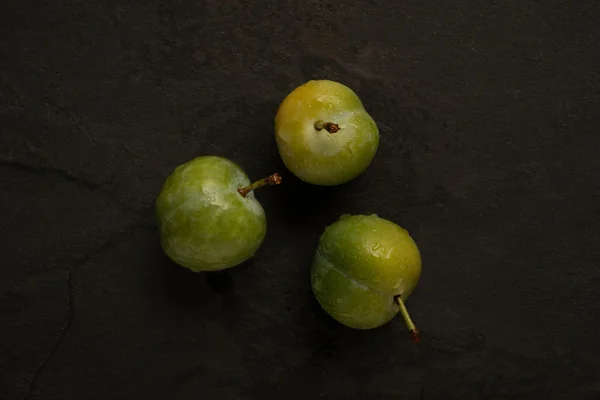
{"x":324,"y":134}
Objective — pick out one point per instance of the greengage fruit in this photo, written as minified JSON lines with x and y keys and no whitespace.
{"x":364,"y":269}
{"x":324,"y":134}
{"x":208,"y":216}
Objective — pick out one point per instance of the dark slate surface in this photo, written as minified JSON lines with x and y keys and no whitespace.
{"x":489,"y":123}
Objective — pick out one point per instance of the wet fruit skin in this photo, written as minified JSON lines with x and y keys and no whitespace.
{"x":361,"y":263}
{"x":205,"y":224}
{"x":318,"y":156}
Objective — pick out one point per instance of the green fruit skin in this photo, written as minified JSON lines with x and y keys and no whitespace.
{"x":320,"y":157}
{"x":361,"y":263}
{"x":204,"y":223}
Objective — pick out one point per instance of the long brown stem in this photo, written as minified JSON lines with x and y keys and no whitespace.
{"x":328,"y":126}
{"x":274,"y":179}
{"x":412,"y":329}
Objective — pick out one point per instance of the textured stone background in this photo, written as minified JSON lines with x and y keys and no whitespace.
{"x":489,"y":123}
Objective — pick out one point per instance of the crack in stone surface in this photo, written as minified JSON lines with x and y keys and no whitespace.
{"x":42,"y":170}
{"x":68,"y":323}
{"x":109,"y":244}
{"x":46,"y":170}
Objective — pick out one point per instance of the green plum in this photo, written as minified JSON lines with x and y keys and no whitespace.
{"x":364,"y":269}
{"x":208,"y":216}
{"x":324,"y":134}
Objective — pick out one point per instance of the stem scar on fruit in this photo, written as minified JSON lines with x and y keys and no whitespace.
{"x":328,"y":126}
{"x":315,"y":126}
{"x":412,"y":329}
{"x":274,"y":179}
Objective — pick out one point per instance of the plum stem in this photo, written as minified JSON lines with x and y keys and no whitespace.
{"x":412,"y":329}
{"x":274,"y":179}
{"x":328,"y":126}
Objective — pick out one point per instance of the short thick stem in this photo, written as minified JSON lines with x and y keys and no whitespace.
{"x":328,"y":126}
{"x":274,"y":179}
{"x":412,"y":329}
